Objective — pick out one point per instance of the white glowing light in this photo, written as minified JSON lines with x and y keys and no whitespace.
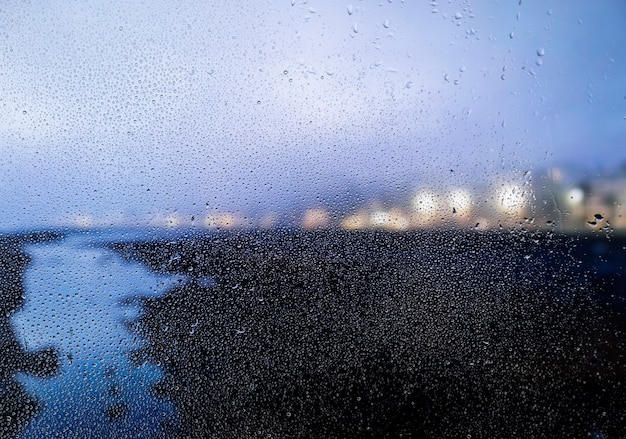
{"x":575,"y":196}
{"x":380,"y":218}
{"x":460,"y":200}
{"x":426,"y":203}
{"x":511,"y":199}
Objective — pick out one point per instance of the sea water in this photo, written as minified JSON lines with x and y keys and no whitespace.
{"x":76,"y":302}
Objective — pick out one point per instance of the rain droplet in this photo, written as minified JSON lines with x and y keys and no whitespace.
{"x":355,"y":28}
{"x":598,"y":217}
{"x":511,"y":35}
{"x":503,"y":76}
{"x":446,"y":77}
{"x":386,"y":24}
{"x":541,"y":51}
{"x":462,"y":69}
{"x":285,"y":72}
{"x":350,"y":9}
{"x":409,"y":84}
{"x":458,"y":15}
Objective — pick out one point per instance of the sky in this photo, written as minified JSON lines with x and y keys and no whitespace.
{"x":123,"y":111}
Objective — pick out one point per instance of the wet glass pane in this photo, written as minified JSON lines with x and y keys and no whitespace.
{"x":309,"y":219}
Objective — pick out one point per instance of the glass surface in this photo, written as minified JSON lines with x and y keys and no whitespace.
{"x":312,"y":219}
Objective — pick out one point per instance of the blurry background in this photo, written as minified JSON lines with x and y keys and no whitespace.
{"x":316,"y":113}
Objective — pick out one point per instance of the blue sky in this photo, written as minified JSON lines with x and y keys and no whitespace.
{"x":122,"y":110}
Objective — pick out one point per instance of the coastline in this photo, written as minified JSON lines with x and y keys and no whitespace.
{"x":16,"y":406}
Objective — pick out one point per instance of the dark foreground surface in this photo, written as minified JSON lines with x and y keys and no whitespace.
{"x":375,"y":334}
{"x":17,"y":408}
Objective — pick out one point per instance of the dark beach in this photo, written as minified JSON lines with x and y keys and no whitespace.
{"x":379,"y":334}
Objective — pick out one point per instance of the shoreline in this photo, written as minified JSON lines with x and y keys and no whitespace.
{"x":17,"y":408}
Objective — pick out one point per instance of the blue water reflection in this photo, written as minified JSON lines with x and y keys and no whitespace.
{"x":75,"y":302}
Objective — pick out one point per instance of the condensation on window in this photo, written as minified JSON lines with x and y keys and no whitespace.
{"x":310,"y":218}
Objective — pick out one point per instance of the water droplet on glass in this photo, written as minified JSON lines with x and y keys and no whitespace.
{"x":541,"y":51}
{"x":502,"y":76}
{"x":462,"y":69}
{"x":409,"y":84}
{"x":285,"y":72}
{"x":446,"y":77}
{"x":386,"y":24}
{"x":511,"y":35}
{"x":350,"y":9}
{"x":458,"y":15}
{"x":355,"y":28}
{"x":598,"y":217}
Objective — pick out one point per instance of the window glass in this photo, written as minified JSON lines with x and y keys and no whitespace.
{"x":312,"y":219}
